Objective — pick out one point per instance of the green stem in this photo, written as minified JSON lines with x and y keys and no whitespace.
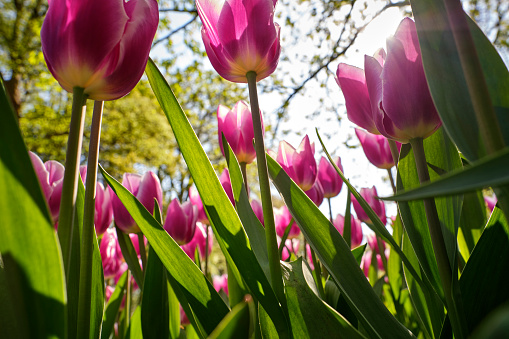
{"x":88,"y":235}
{"x":393,"y":185}
{"x":268,"y":213}
{"x":143,"y":252}
{"x":243,"y":168}
{"x":347,"y":225}
{"x":330,"y":210}
{"x":70,"y":183}
{"x":458,"y":321}
{"x":394,"y":151}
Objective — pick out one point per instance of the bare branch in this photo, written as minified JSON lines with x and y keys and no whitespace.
{"x":176,"y":30}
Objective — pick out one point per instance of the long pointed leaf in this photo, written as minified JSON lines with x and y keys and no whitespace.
{"x":113,"y":306}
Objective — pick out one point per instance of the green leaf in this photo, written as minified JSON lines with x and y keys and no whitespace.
{"x":309,"y":315}
{"x":488,"y":172}
{"x":32,"y":290}
{"x":473,"y":219}
{"x":130,"y":256}
{"x":443,"y":68}
{"x":394,"y":266}
{"x":495,"y":326}
{"x":225,"y":222}
{"x":113,"y":306}
{"x":135,"y":331}
{"x":208,"y":306}
{"x":336,"y":256}
{"x":483,"y":282}
{"x":235,"y":324}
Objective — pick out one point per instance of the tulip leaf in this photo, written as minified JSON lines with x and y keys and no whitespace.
{"x":206,"y":303}
{"x":473,"y":219}
{"x":491,"y":171}
{"x":155,"y":315}
{"x":483,"y":282}
{"x":310,"y":316}
{"x":235,"y":324}
{"x":134,"y":330}
{"x":443,"y":68}
{"x":225,"y":222}
{"x":130,"y":256}
{"x":336,"y":256}
{"x":113,"y":306}
{"x":32,"y":288}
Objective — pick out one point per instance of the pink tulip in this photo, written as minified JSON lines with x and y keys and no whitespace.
{"x":240,"y":36}
{"x":310,"y":259}
{"x":136,"y":242}
{"x":237,"y":127}
{"x":51,"y":178}
{"x":491,"y":201}
{"x":180,"y":221}
{"x":376,"y":148}
{"x":315,"y":193}
{"x":258,"y":210}
{"x":371,"y":197}
{"x":366,"y":262}
{"x":220,"y":283}
{"x":227,"y":185}
{"x":299,"y":164}
{"x":373,"y":243}
{"x":291,"y":246}
{"x":145,"y":188}
{"x":282,"y":218}
{"x":400,"y":98}
{"x":195,"y":199}
{"x":111,"y":254}
{"x":356,"y":229}
{"x":328,"y":177}
{"x":199,"y":241}
{"x":101,"y":46}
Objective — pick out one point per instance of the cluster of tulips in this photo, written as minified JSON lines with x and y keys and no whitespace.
{"x":423,"y":278}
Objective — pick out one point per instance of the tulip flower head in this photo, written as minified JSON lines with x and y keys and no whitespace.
{"x":180,"y":221}
{"x":101,"y":46}
{"x":299,"y":164}
{"x":356,"y":229}
{"x":315,"y":193}
{"x":400,"y":98}
{"x":258,"y":210}
{"x":220,"y":283}
{"x":136,"y":242}
{"x":111,"y":254}
{"x":51,"y":177}
{"x":328,"y":177}
{"x":282,"y":218}
{"x":376,"y":148}
{"x":373,"y":243}
{"x":490,"y":201}
{"x":199,"y":241}
{"x":195,"y":199}
{"x":145,"y":188}
{"x":291,"y":246}
{"x":237,"y":127}
{"x":371,"y":197}
{"x":227,"y":185}
{"x":240,"y":37}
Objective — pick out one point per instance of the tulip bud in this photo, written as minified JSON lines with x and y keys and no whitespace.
{"x":237,"y":127}
{"x":315,"y":193}
{"x":258,"y":210}
{"x":51,"y":177}
{"x":101,"y":46}
{"x":356,"y":229}
{"x":240,"y":36}
{"x":282,"y":218}
{"x":136,"y":242}
{"x":199,"y":241}
{"x":373,"y":243}
{"x":376,"y":148}
{"x":195,"y":199}
{"x":371,"y":197}
{"x":328,"y":177}
{"x":180,"y":221}
{"x":299,"y":164}
{"x":310,"y":259}
{"x":227,"y":185}
{"x":145,"y":188}
{"x":291,"y":246}
{"x":220,"y":283}
{"x":111,"y":254}
{"x":491,"y":201}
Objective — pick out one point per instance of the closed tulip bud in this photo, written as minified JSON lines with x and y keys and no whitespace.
{"x":328,"y":177}
{"x":111,"y":254}
{"x":376,"y":148}
{"x":195,"y":199}
{"x":237,"y":127}
{"x":199,"y":241}
{"x":373,"y":243}
{"x":400,"y":98}
{"x":227,"y":185}
{"x":180,"y":221}
{"x":315,"y":193}
{"x":220,"y":283}
{"x":240,"y":36}
{"x":356,"y":229}
{"x":51,"y":176}
{"x":145,"y":188}
{"x":299,"y":164}
{"x":371,"y":197}
{"x":101,"y":46}
{"x":258,"y":210}
{"x":136,"y":242}
{"x":282,"y":218}
{"x":491,"y":201}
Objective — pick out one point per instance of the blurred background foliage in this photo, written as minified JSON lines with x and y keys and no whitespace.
{"x":136,"y":135}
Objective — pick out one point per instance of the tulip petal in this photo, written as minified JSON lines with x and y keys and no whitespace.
{"x":42,"y":174}
{"x":150,"y":188}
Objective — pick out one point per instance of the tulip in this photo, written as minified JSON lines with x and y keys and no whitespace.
{"x":309,"y":255}
{"x":371,"y":197}
{"x":195,"y":199}
{"x":136,"y":242}
{"x":291,"y":246}
{"x":400,"y":98}
{"x":299,"y":164}
{"x":199,"y":241}
{"x":356,"y":229}
{"x":220,"y":283}
{"x":258,"y":210}
{"x":50,"y":175}
{"x":237,"y":127}
{"x":240,"y":37}
{"x":111,"y":254}
{"x":282,"y":218}
{"x":180,"y":221}
{"x":145,"y":188}
{"x":373,"y":243}
{"x":101,"y":46}
{"x":376,"y":148}
{"x":315,"y":193}
{"x":328,"y":177}
{"x":227,"y":185}
{"x":491,"y":201}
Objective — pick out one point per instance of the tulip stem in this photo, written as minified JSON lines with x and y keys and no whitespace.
{"x":330,"y":210}
{"x":394,"y":151}
{"x":263,"y":174}
{"x":88,"y":233}
{"x":70,"y":183}
{"x":143,"y":252}
{"x":458,"y":320}
{"x":391,"y":179}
